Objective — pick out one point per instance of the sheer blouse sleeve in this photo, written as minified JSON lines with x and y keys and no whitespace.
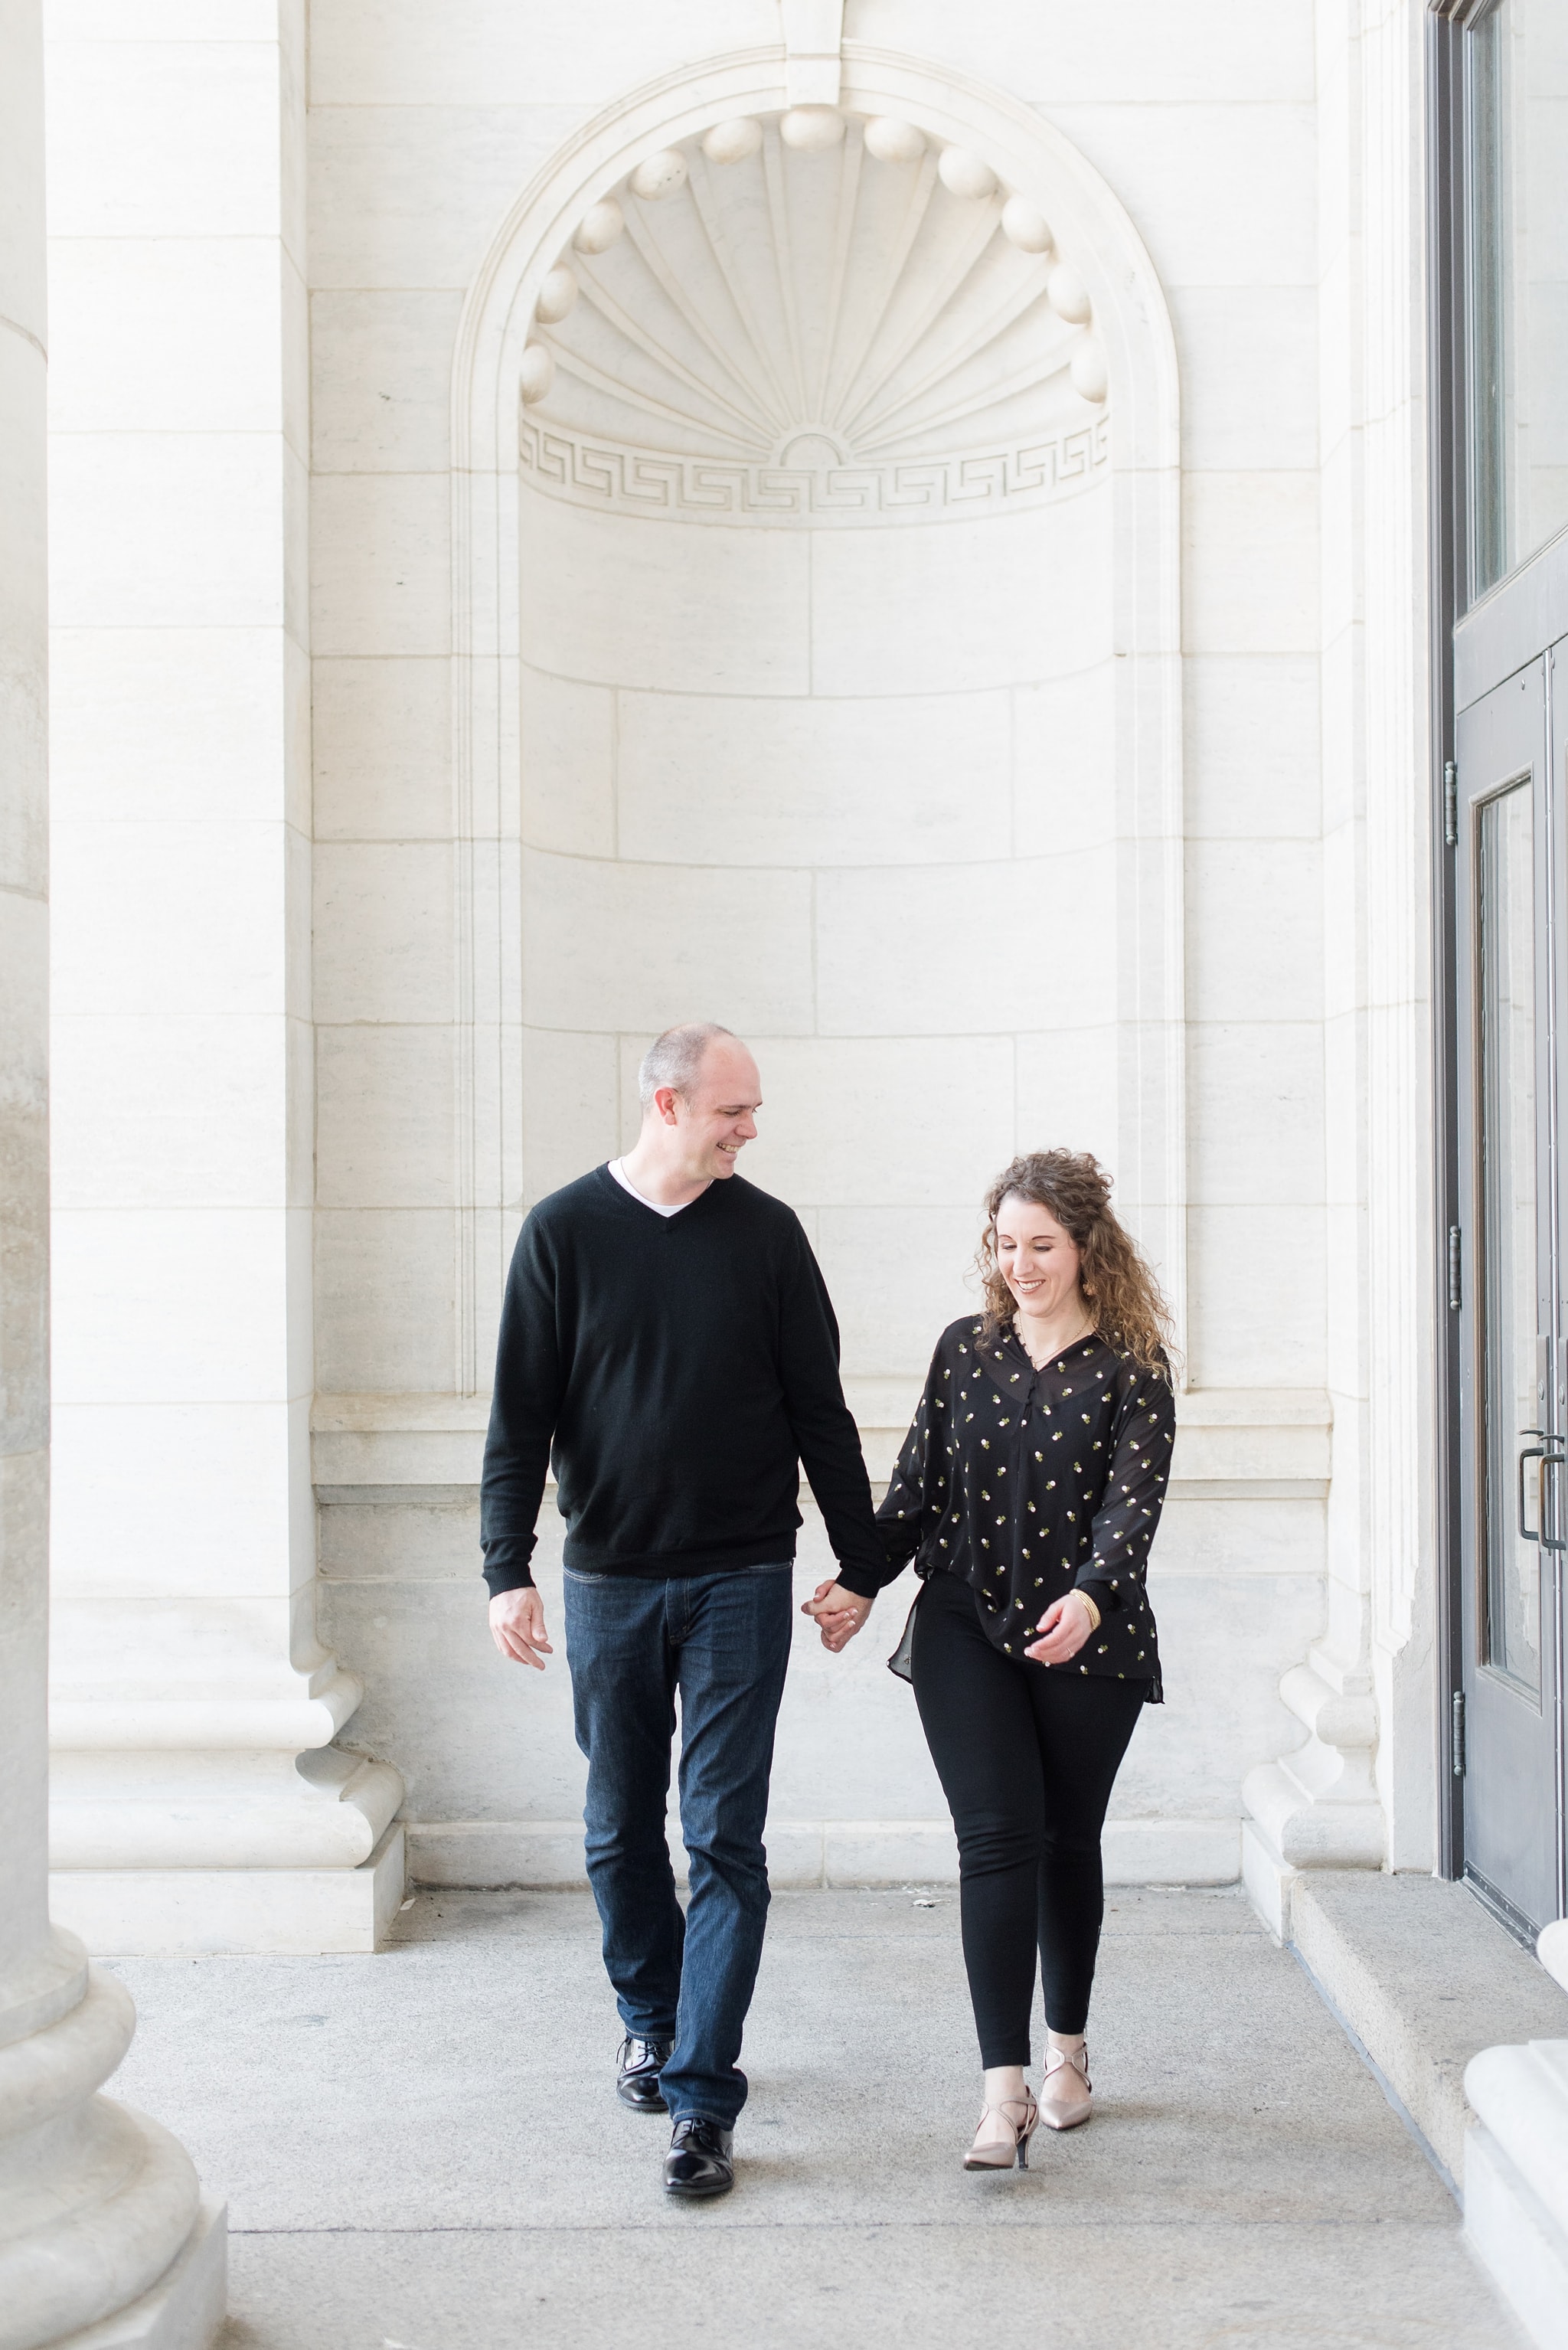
{"x":1115,"y":1574}
{"x":917,"y":1497}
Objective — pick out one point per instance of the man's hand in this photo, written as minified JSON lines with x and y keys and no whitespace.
{"x":839,"y":1613}
{"x":517,"y":1627}
{"x":1066,"y":1625}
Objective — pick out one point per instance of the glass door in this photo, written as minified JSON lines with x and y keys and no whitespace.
{"x":1506,"y":1284}
{"x":1498,"y":288}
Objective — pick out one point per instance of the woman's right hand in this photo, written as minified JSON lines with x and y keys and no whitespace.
{"x":838,"y":1613}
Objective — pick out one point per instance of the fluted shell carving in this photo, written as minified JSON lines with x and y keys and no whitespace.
{"x":768,"y":324}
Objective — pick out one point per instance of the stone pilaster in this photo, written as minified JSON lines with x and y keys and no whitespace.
{"x":1360,"y":1791}
{"x":199,"y":1801}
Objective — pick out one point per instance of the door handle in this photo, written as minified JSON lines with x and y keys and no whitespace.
{"x":1529,"y":1452}
{"x":1547,"y":1459}
{"x":1549,"y":1542}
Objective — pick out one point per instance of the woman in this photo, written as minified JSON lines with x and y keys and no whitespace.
{"x":1027,"y":1492}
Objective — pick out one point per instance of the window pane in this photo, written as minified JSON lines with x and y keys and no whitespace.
{"x":1505,"y":881}
{"x":1516,"y":104}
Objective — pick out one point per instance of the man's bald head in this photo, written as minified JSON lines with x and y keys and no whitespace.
{"x":701,"y":1092}
{"x":675,"y":1059}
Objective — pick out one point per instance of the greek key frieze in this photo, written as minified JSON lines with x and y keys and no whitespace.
{"x":620,"y":479}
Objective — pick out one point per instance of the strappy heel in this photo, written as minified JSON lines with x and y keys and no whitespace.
{"x":1068,"y":2112}
{"x":998,"y":2154}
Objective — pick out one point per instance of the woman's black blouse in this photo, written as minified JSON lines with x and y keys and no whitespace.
{"x":1027,"y":1484}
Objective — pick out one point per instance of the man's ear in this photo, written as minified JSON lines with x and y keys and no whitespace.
{"x":664,"y":1101}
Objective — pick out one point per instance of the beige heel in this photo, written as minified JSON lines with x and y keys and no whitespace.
{"x":999,"y":2154}
{"x":1069,"y":2103}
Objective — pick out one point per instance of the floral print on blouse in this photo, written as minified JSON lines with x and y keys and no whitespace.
{"x":1027,"y":1483}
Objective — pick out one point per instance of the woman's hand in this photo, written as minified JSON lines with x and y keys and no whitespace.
{"x":1066,"y":1625}
{"x":838,"y":1613}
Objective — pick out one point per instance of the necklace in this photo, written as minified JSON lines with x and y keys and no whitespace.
{"x":1040,"y":1361}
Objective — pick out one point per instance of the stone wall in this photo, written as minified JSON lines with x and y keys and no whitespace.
{"x":894,"y":850}
{"x":425,"y":743}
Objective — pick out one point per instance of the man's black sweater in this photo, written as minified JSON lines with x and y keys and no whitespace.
{"x":676,"y":1369}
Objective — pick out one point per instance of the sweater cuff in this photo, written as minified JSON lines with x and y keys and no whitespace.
{"x":863,"y":1581}
{"x":507,"y":1578}
{"x":507,"y":1564}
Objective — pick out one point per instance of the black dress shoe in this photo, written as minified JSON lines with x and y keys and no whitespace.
{"x":637,"y":2078}
{"x":698,"y":2162}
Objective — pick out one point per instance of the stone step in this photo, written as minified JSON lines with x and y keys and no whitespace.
{"x":1423,"y":1978}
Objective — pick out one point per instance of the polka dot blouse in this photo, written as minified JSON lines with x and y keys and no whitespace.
{"x":1027,"y":1483}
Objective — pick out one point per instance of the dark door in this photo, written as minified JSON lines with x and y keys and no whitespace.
{"x":1514,"y":1502}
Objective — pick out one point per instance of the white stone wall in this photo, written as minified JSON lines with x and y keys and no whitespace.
{"x":379,"y":770}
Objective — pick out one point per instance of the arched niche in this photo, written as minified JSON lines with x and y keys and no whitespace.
{"x":816,"y":638}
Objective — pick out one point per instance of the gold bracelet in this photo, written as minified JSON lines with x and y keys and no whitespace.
{"x":1093,"y":1611}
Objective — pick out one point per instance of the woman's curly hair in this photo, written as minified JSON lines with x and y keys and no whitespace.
{"x":1120,"y":1290}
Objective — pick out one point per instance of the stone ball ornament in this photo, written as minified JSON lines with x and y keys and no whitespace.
{"x":599,"y":226}
{"x":963,"y":174}
{"x":557,"y":296}
{"x":811,"y":129}
{"x":732,"y":142}
{"x":1068,"y":296}
{"x":1087,"y":370}
{"x":1025,"y":227}
{"x":658,"y":176}
{"x":536,"y":373}
{"x":888,"y":140}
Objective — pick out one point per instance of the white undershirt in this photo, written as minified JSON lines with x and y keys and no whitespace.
{"x":617,"y":1168}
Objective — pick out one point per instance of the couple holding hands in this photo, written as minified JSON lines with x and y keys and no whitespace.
{"x":668,"y":1339}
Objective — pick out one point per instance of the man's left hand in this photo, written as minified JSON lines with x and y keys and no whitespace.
{"x":839,"y":1612}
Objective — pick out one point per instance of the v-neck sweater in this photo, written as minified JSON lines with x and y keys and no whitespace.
{"x":678,"y":1370}
{"x":1029,"y":1481}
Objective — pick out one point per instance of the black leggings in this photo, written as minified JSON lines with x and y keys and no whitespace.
{"x":1027,"y":1755}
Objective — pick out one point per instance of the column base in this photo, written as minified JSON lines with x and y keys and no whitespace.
{"x":1268,"y":1880}
{"x":195,"y":1912}
{"x":185,"y":2308}
{"x":1516,"y":2241}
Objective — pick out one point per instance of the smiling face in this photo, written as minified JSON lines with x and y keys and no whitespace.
{"x":1037,"y":1260}
{"x":711,"y":1124}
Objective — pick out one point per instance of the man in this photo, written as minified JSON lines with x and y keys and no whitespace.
{"x":667,"y":1335}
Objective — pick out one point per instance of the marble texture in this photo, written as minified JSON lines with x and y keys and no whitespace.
{"x":964,"y":607}
{"x":381,"y":746}
{"x":878,"y":780}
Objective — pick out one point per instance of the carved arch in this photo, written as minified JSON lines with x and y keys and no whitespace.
{"x":1035,"y":160}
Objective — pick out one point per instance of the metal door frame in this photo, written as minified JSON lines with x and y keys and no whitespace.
{"x":1446,"y":511}
{"x":1471,"y":651}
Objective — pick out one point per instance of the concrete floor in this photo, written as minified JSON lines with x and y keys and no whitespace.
{"x":422,"y":2151}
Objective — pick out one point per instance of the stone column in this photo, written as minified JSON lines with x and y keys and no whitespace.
{"x":1360,"y":1792}
{"x":1516,"y":2167}
{"x":103,"y":2234}
{"x":199,"y":1802}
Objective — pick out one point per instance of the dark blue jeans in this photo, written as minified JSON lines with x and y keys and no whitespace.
{"x":722,"y":1640}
